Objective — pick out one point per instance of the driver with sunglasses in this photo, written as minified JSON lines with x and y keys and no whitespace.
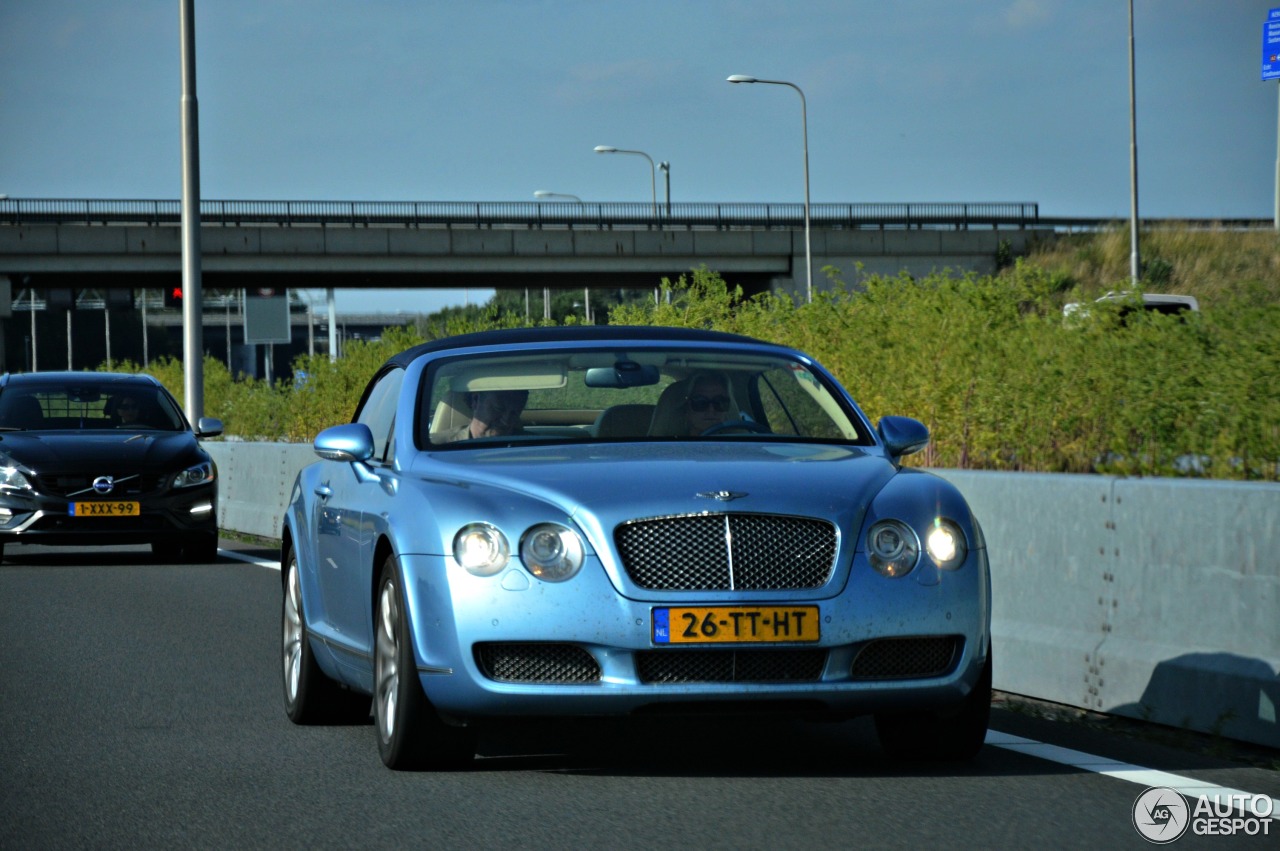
{"x":708,"y":403}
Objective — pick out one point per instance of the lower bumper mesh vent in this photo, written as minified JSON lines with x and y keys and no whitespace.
{"x":537,"y":663}
{"x":907,"y":658}
{"x":730,"y":666}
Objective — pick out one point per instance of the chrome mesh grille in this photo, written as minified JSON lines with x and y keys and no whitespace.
{"x":537,"y":663}
{"x":723,"y":552}
{"x":730,"y":666}
{"x":903,"y":658}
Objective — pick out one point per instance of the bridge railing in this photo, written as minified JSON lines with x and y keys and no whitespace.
{"x":593,"y":214}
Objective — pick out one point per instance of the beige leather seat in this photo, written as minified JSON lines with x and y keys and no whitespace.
{"x":669,"y":419}
{"x":452,"y":412}
{"x":630,"y":420}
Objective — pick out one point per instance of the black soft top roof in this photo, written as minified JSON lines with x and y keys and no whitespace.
{"x":570,"y":333}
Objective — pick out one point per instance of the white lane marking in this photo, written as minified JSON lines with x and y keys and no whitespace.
{"x":270,"y":565}
{"x":1188,"y":786}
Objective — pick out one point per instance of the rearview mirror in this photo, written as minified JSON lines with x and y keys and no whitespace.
{"x":624,"y":373}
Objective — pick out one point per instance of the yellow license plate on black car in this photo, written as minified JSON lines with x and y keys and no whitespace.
{"x":105,"y":509}
{"x":735,"y":624}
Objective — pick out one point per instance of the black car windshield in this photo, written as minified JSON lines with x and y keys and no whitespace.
{"x":669,"y":393}
{"x":87,"y":405}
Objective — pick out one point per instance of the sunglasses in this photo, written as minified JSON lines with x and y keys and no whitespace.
{"x":702,"y":403}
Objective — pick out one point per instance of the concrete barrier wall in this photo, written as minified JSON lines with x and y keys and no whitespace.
{"x":1156,"y":599}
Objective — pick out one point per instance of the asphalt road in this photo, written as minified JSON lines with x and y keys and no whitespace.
{"x":140,"y":707}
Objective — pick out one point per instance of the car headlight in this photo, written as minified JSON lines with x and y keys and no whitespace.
{"x":945,"y":544}
{"x":892,"y":548}
{"x":13,"y":478}
{"x":552,"y":552}
{"x":200,"y":474}
{"x":481,"y":549}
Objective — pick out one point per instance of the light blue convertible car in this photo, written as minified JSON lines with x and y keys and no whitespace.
{"x":604,"y":520}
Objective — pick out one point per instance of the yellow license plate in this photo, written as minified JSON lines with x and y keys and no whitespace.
{"x":105,"y":509}
{"x":735,"y":624}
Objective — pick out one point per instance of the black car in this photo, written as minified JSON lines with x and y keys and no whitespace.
{"x":99,"y":458}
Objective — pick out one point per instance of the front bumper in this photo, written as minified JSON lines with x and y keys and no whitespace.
{"x":162,"y":518}
{"x":512,"y":645}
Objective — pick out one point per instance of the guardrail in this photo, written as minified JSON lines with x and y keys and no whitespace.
{"x":594,"y":214}
{"x":1154,"y":599}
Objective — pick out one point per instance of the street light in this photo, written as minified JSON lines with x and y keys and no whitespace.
{"x":666,"y":170}
{"x":653,"y":171}
{"x":547,"y":291}
{"x":804,"y":121}
{"x":542,"y":193}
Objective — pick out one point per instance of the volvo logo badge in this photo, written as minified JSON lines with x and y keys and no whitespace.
{"x":104,"y":484}
{"x":723,"y":496}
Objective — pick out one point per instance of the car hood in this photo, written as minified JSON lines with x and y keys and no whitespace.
{"x":90,"y":451}
{"x":601,"y":485}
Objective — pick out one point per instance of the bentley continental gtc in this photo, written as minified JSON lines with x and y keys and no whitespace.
{"x":617,"y":521}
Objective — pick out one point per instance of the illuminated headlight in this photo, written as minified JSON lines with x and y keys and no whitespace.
{"x":552,"y":552}
{"x":945,"y":544}
{"x":892,"y":548}
{"x":200,"y":474}
{"x":12,"y":477}
{"x":481,"y":549}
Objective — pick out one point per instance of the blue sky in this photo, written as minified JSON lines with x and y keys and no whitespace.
{"x":916,"y":100}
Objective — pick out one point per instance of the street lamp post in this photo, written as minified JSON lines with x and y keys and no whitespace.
{"x":666,"y":171}
{"x":546,"y":291}
{"x":804,"y":121}
{"x":653,"y":172}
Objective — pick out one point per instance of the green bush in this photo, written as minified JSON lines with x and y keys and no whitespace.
{"x":987,"y":362}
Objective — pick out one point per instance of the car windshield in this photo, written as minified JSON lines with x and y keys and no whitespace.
{"x":86,"y":405}
{"x":634,"y":394}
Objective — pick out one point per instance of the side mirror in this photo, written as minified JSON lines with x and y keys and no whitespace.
{"x":208,"y":427}
{"x":350,"y":442}
{"x":903,"y":435}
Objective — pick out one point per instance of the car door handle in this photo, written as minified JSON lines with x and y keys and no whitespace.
{"x":324,"y":491}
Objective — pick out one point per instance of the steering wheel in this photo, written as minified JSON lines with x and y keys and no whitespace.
{"x":743,"y":425}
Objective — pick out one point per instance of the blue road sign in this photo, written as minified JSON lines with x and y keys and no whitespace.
{"x":1271,"y":46}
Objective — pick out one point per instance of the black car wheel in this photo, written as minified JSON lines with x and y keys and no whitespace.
{"x":953,"y":734}
{"x":201,"y":549}
{"x":309,"y":696}
{"x":410,"y":733}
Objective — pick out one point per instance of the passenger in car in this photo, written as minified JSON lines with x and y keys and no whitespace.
{"x":127,"y":409}
{"x":494,"y":413}
{"x":708,"y":403}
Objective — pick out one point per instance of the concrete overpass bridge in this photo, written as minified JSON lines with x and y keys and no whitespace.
{"x":108,"y":245}
{"x":75,"y":266}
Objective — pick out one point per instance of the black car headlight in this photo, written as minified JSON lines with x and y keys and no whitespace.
{"x":552,"y":552}
{"x":945,"y":544}
{"x":481,"y":549}
{"x":200,"y":474}
{"x":14,"y":479}
{"x":892,"y":548}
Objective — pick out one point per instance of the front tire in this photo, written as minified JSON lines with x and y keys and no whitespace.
{"x":202,"y":549}
{"x":410,"y":734}
{"x":310,"y":697}
{"x":954,"y":734}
